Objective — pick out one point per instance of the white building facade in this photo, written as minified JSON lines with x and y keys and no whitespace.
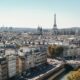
{"x":33,"y":56}
{"x":11,"y":62}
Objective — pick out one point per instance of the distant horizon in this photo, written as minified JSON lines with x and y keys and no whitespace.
{"x":40,"y":12}
{"x":36,"y":27}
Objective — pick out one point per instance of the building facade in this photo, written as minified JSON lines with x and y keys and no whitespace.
{"x":33,"y":56}
{"x":3,"y":68}
{"x":11,"y":64}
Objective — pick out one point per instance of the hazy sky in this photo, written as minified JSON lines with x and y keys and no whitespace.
{"x":31,"y":13}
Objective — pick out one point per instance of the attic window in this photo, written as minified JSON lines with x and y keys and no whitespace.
{"x":21,"y":50}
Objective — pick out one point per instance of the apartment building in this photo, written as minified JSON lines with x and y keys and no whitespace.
{"x":11,"y":64}
{"x":20,"y":64}
{"x":34,"y":56}
{"x":3,"y":68}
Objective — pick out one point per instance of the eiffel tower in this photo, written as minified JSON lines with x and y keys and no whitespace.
{"x":55,"y":30}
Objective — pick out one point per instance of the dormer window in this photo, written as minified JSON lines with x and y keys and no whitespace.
{"x":21,"y":50}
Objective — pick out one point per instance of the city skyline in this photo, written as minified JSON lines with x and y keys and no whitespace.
{"x":31,"y":13}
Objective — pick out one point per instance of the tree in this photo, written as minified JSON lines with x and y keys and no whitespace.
{"x":55,"y":50}
{"x":17,"y":46}
{"x":74,"y":75}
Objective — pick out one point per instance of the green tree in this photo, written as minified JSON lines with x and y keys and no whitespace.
{"x":55,"y":50}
